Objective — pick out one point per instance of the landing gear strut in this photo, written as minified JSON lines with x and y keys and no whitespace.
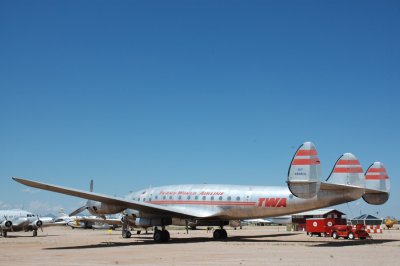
{"x":125,"y":231}
{"x":161,"y":236}
{"x":34,"y":233}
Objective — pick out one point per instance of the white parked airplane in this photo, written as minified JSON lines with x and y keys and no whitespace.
{"x":285,"y":219}
{"x":19,"y":220}
{"x":218,"y":204}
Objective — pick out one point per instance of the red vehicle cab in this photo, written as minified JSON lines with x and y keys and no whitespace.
{"x":328,"y":227}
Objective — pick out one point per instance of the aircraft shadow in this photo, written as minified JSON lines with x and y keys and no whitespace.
{"x":26,"y":236}
{"x":148,"y":240}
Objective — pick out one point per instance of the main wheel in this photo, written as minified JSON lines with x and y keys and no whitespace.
{"x":335,"y":235}
{"x":34,"y":233}
{"x":220,"y":234}
{"x":158,"y":236}
{"x":217,"y":234}
{"x":166,"y":236}
{"x":351,"y":236}
{"x":4,"y":234}
{"x":224,"y":234}
{"x":126,"y":234}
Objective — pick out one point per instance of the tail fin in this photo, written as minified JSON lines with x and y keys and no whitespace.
{"x":305,"y":172}
{"x":347,"y":171}
{"x":377,"y":184}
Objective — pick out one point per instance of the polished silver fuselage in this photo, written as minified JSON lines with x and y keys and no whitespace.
{"x":230,"y":202}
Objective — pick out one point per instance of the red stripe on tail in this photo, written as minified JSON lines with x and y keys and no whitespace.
{"x":348,"y":162}
{"x":348,"y":170}
{"x":312,"y":152}
{"x":305,"y":161}
{"x":376,"y":177}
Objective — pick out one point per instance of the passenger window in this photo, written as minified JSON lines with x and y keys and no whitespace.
{"x":212,"y":197}
{"x":204,"y":197}
{"x":238,"y":198}
{"x":229,"y":198}
{"x":220,"y":197}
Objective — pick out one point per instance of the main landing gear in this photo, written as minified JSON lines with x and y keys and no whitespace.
{"x":220,"y":234}
{"x":161,"y":236}
{"x":125,"y":231}
{"x":34,"y":233}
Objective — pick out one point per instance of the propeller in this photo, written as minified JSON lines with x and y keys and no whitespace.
{"x":84,"y":207}
{"x":8,"y":223}
{"x":39,"y":223}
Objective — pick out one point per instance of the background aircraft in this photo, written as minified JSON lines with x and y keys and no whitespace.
{"x":19,"y":220}
{"x":218,"y":204}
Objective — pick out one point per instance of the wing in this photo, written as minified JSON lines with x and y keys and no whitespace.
{"x":101,"y":220}
{"x":136,"y":205}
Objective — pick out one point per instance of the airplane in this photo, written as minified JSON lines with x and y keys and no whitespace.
{"x":285,"y":219}
{"x":218,"y":204}
{"x":19,"y":220}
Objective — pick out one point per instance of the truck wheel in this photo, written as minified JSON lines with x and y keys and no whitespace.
{"x":335,"y":235}
{"x":362,"y":238}
{"x":351,"y":236}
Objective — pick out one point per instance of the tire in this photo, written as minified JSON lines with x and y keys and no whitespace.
{"x":128,"y":234}
{"x":335,"y":235}
{"x":224,"y":234}
{"x":363,"y":238}
{"x":217,"y":235}
{"x":166,"y":235}
{"x":158,"y":236}
{"x":350,"y":236}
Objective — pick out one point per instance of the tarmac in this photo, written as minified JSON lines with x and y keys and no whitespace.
{"x":263,"y":245}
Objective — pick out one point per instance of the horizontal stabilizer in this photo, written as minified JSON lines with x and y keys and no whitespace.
{"x":377,"y":184}
{"x":305,"y":172}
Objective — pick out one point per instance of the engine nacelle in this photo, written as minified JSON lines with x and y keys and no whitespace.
{"x":96,"y":208}
{"x":7,"y":224}
{"x":152,"y":221}
{"x":37,"y":224}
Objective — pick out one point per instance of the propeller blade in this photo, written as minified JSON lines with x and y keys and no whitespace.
{"x":81,"y":209}
{"x":91,"y":185}
{"x":41,"y":224}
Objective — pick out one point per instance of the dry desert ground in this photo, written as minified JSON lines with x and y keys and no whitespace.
{"x":265,"y":245}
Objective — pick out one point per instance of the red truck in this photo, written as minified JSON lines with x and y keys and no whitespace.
{"x":328,"y":227}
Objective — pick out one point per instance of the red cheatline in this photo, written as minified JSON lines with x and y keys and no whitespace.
{"x":305,"y":161}
{"x":376,"y":177}
{"x":312,"y":152}
{"x":348,"y":162}
{"x":377,"y":170}
{"x":348,"y":170}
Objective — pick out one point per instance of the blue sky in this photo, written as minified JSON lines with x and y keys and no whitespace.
{"x":144,"y":93}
